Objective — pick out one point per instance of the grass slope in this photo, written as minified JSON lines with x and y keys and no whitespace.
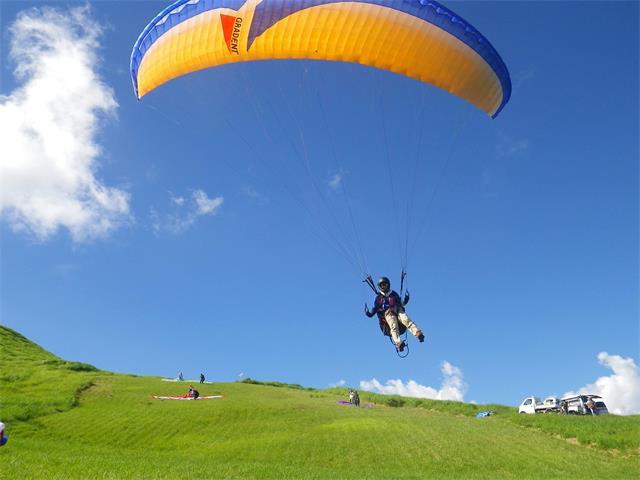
{"x":34,"y":382}
{"x":116,"y":430}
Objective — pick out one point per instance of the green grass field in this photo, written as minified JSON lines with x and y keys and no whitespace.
{"x":68,"y":420}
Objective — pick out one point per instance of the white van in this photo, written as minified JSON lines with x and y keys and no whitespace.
{"x":578,"y":405}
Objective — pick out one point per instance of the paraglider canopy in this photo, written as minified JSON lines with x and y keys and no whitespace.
{"x":417,"y":38}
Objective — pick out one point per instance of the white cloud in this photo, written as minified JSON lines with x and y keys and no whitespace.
{"x":452,"y":388}
{"x":336,"y":180}
{"x":49,"y":153}
{"x":339,"y":383}
{"x":185,"y":212}
{"x":206,"y":205}
{"x":255,"y":195}
{"x":522,"y":77}
{"x":621,"y":390}
{"x":251,"y":192}
{"x":177,"y":200}
{"x":509,"y":146}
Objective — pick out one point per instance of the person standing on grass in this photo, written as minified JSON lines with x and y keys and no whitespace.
{"x":3,"y":435}
{"x":202,"y":378}
{"x":591,"y":406}
{"x":563,"y":407}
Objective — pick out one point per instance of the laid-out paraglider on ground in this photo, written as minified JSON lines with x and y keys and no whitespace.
{"x":192,"y":394}
{"x":186,"y":397}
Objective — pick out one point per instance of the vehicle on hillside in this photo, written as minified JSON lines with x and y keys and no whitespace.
{"x":534,"y":405}
{"x":577,"y":405}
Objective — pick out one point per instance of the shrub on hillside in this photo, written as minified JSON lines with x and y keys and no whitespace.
{"x":73,"y":366}
{"x":51,"y":361}
{"x":80,"y":367}
{"x":394,"y":402}
{"x":294,"y":386}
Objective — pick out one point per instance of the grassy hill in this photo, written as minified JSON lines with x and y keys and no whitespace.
{"x":69,"y":420}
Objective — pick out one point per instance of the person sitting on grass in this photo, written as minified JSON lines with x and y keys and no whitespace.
{"x":193,"y":393}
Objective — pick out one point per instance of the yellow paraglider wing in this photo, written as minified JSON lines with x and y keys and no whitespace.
{"x":417,"y":38}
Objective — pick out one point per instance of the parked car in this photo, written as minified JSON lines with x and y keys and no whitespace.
{"x":578,"y":405}
{"x":551,"y":404}
{"x":534,"y":405}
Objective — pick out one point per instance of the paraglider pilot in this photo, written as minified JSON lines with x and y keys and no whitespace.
{"x":192,"y":392}
{"x":390,"y":310}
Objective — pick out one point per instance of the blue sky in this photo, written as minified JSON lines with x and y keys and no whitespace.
{"x":185,"y":233}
